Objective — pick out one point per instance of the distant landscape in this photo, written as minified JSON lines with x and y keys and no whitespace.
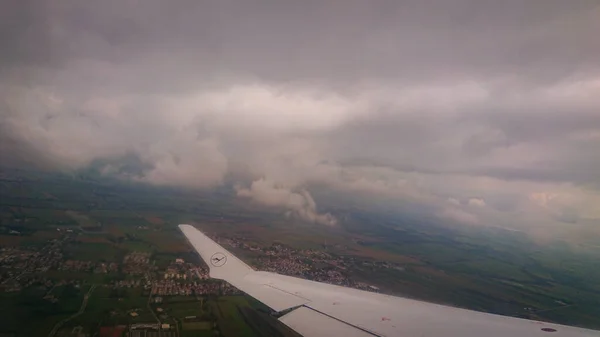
{"x":84,"y":254}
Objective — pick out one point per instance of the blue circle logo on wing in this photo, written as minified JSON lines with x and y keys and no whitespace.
{"x":218,"y":259}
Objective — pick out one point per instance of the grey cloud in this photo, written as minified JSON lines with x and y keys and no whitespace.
{"x":520,"y":142}
{"x":486,"y":141}
{"x":127,"y":166}
{"x":458,"y":215}
{"x":388,"y":100}
{"x":504,"y":203}
{"x":416,"y":40}
{"x":568,"y":216}
{"x":24,"y":35}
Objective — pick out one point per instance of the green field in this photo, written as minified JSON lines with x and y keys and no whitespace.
{"x":112,"y":307}
{"x":39,"y":314}
{"x":182,"y":309}
{"x":137,"y":246}
{"x":90,"y":251}
{"x":201,"y":325}
{"x":197,"y":333}
{"x":231,"y":323}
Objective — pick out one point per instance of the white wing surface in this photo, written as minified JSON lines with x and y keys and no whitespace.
{"x":319,"y":309}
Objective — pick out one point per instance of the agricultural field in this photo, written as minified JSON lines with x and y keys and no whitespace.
{"x":28,"y":314}
{"x":235,"y":316}
{"x":93,"y":251}
{"x":110,"y":307}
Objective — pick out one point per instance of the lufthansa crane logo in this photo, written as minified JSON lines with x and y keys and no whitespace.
{"x":218,"y":259}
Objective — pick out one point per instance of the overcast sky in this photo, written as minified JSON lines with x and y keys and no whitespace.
{"x":482,"y":112}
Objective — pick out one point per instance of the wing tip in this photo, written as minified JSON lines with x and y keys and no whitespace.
{"x":229,"y":267}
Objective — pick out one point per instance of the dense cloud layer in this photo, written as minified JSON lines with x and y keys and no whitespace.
{"x":484,"y":113}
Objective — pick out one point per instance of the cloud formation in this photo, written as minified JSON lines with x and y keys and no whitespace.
{"x":299,"y":203}
{"x":475,"y":112}
{"x":458,"y":215}
{"x":477,"y":202}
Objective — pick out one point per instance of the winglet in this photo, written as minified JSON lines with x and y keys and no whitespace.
{"x":222,"y":264}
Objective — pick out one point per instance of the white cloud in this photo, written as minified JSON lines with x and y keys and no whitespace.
{"x":542,"y":198}
{"x":453,"y":201}
{"x":193,"y":164}
{"x":299,"y":203}
{"x":477,"y":202}
{"x":272,"y":108}
{"x":568,"y":203}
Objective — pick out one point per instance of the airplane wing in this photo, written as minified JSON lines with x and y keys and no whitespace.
{"x":316,"y":309}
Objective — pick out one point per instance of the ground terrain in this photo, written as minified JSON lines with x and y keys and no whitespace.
{"x":84,"y":228}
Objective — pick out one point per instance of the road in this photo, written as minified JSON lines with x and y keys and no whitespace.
{"x":150,"y":308}
{"x":86,"y":297}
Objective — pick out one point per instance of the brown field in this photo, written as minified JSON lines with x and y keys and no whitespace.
{"x":46,"y":235}
{"x":430,"y":271}
{"x":82,"y":219}
{"x":59,"y":214}
{"x":10,"y":240}
{"x":39,"y":236}
{"x":49,"y":196}
{"x":94,"y":239}
{"x":167,"y":244}
{"x":114,"y":230}
{"x":382,"y":255}
{"x":154,"y":220}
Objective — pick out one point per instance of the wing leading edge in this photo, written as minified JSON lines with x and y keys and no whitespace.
{"x":320,"y":309}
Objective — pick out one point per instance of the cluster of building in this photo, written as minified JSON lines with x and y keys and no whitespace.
{"x":309,"y":264}
{"x":129,"y":283}
{"x":88,"y":266}
{"x":186,"y":279}
{"x":16,"y":264}
{"x":15,"y":256}
{"x":25,"y":260}
{"x":240,"y":242}
{"x":105,"y":268}
{"x":151,"y":330}
{"x":171,"y":287}
{"x":12,"y":263}
{"x":181,"y":270}
{"x":136,"y":263}
{"x":76,"y":265}
{"x":179,"y":277}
